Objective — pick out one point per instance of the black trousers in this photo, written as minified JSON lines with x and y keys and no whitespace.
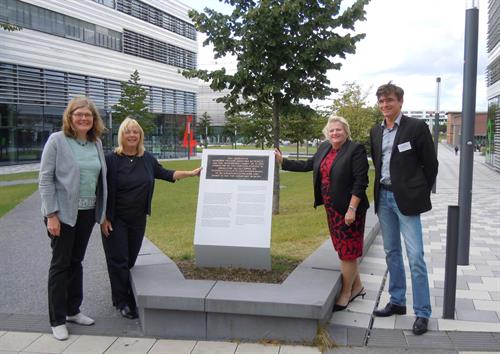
{"x":122,"y":247}
{"x":65,"y":286}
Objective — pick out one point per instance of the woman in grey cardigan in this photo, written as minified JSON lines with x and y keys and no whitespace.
{"x":73,"y":190}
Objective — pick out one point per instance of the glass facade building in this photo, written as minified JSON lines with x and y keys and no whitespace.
{"x":60,"y":54}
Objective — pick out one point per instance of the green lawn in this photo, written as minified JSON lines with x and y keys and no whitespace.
{"x":10,"y":196}
{"x":18,"y":176}
{"x":297,"y":231}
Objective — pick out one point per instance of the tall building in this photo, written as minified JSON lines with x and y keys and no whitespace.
{"x":493,"y":82}
{"x":87,"y":47}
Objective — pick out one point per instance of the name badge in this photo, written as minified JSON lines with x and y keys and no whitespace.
{"x":404,"y":146}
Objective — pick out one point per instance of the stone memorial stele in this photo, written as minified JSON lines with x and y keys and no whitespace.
{"x":234,"y":212}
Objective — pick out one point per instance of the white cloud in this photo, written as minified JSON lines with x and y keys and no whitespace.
{"x":408,"y":42}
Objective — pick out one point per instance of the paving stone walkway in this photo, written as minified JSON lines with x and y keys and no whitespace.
{"x":477,"y":315}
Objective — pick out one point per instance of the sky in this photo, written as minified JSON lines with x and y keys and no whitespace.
{"x":411,"y":42}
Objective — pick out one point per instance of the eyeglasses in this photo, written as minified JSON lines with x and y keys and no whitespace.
{"x":81,"y":115}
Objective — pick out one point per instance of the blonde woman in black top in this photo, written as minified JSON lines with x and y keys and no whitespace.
{"x":131,"y":177}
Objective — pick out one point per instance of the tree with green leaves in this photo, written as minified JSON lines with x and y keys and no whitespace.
{"x":257,"y":127}
{"x":133,"y":104}
{"x":204,"y":126}
{"x":284,"y":49}
{"x":233,"y":125}
{"x":318,"y":122}
{"x":351,"y":104}
{"x":297,"y":124}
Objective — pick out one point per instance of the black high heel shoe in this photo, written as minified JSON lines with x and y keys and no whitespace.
{"x":361,"y":293}
{"x":337,"y":307}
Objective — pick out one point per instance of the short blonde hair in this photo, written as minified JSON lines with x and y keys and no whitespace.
{"x":97,"y":124}
{"x":127,"y":124}
{"x":341,"y":120}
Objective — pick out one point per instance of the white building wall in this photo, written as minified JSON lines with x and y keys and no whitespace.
{"x":38,"y":49}
{"x":493,"y":90}
{"x":206,"y":103}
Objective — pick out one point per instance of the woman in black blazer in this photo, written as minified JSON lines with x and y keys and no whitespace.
{"x":131,"y":179}
{"x":340,"y":178}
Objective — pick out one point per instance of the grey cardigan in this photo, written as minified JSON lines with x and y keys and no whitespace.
{"x":59,"y":181}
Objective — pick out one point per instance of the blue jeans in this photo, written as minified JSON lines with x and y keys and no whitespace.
{"x":392,"y":224}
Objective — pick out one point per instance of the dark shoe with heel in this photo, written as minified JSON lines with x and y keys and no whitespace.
{"x":337,"y":307}
{"x":361,"y":293}
{"x":420,"y":325}
{"x":389,"y":310}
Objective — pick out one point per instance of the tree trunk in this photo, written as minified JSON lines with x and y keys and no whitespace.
{"x":276,"y":140}
{"x":297,"y":157}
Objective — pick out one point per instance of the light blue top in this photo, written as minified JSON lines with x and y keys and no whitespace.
{"x":90,"y":167}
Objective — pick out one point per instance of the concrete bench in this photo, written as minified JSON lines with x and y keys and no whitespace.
{"x":171,"y":306}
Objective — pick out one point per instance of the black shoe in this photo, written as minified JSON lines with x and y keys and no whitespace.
{"x":126,"y":312}
{"x":420,"y":325}
{"x":389,"y":310}
{"x":337,"y":307}
{"x":361,"y":293}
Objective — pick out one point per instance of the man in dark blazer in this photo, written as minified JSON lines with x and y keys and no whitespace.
{"x":406,"y":167}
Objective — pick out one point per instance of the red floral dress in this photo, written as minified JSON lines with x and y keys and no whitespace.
{"x":347,"y":240}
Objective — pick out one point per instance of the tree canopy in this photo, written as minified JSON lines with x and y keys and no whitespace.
{"x":133,"y":104}
{"x":298,"y":124}
{"x":204,"y":125}
{"x":351,"y":103}
{"x":283,"y":48}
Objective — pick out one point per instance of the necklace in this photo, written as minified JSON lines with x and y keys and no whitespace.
{"x":131,"y":158}
{"x":81,"y":142}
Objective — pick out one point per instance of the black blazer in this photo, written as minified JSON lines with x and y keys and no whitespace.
{"x":348,"y":176}
{"x":413,"y":171}
{"x":154,"y":170}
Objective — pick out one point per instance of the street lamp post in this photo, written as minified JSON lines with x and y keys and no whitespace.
{"x":436,"y":125}
{"x":468,"y":117}
{"x":110,"y":124}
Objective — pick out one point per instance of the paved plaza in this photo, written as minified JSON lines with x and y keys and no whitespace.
{"x":25,"y":256}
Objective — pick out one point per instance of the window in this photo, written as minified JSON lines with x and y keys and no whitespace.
{"x":56,"y":93}
{"x":43,"y":20}
{"x":113,"y":93}
{"x":96,"y":91}
{"x":76,"y":85}
{"x":8,"y":83}
{"x":148,"y":13}
{"x":31,"y":88}
{"x":493,"y":25}
{"x":138,"y":45}
{"x":108,"y":3}
{"x":73,"y":29}
{"x":50,"y":88}
{"x":89,"y":33}
{"x":156,"y":95}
